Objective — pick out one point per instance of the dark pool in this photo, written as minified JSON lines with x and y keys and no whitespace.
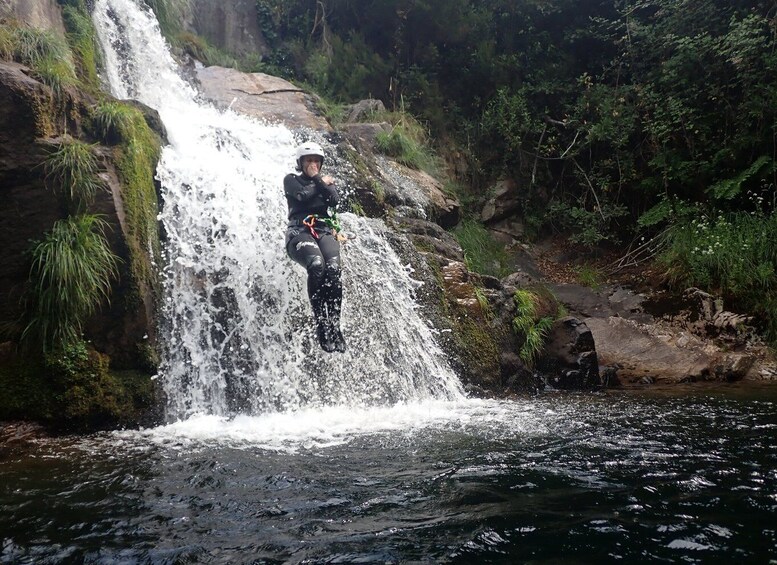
{"x":636,"y":477}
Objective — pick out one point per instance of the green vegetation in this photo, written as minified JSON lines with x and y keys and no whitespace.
{"x":481,"y":253}
{"x":531,"y":326}
{"x":735,"y":255}
{"x":72,"y":168}
{"x":590,"y":276}
{"x":407,"y":142}
{"x":82,"y":37}
{"x":43,"y":51}
{"x":72,"y":388}
{"x":54,"y":376}
{"x":112,"y":118}
{"x":136,"y":157}
{"x":72,"y":268}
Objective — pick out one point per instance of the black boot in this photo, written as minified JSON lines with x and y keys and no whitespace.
{"x":338,"y":339}
{"x":323,"y":330}
{"x":334,"y":326}
{"x":325,"y":337}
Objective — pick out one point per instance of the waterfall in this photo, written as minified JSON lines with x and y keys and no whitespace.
{"x":237,"y":330}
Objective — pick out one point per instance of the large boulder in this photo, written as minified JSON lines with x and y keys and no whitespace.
{"x":569,"y":360}
{"x":260,"y":96}
{"x":505,"y":202}
{"x":418,"y":194}
{"x":364,"y":109}
{"x":365,"y":135}
{"x":642,"y":353}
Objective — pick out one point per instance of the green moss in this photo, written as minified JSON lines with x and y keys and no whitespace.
{"x":82,"y":37}
{"x":136,"y":156}
{"x":476,"y":340}
{"x":25,"y":392}
{"x":73,"y":389}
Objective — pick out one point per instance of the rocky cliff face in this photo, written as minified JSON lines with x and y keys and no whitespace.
{"x":34,"y":121}
{"x":231,"y":25}
{"x":44,"y":14}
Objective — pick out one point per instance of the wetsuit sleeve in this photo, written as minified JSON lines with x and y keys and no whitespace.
{"x":295,"y":190}
{"x":328,"y":191}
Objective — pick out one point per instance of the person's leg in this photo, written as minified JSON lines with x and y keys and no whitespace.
{"x":333,"y":286}
{"x":304,"y":250}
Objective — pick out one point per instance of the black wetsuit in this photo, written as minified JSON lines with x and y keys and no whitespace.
{"x":318,"y":252}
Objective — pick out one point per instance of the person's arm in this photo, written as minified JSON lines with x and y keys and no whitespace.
{"x":298,"y":191}
{"x":326,"y":186}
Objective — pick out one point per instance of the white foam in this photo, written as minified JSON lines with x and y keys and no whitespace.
{"x":317,"y":428}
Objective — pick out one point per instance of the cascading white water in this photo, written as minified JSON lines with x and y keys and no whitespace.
{"x":237,"y":326}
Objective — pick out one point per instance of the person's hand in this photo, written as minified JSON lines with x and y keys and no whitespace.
{"x":326,"y":179}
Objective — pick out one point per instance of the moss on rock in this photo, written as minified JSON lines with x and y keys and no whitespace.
{"x":73,"y":389}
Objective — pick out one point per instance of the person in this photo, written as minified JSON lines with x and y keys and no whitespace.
{"x":312,"y":243}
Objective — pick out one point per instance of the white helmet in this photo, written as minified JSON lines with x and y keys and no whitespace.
{"x":309,"y":148}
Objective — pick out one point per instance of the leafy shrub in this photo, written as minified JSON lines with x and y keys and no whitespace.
{"x":72,"y":267}
{"x":587,"y":227}
{"x":734,"y":254}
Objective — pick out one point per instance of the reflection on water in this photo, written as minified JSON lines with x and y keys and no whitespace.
{"x":558,"y":478}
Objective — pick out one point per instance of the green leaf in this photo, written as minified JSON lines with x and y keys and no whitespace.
{"x":730,"y":188}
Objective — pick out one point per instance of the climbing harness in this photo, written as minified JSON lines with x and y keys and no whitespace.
{"x":310,"y":222}
{"x":332,"y":222}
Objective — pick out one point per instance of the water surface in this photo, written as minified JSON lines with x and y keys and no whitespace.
{"x":560,"y":478}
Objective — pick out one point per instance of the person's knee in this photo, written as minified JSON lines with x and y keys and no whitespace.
{"x":315,"y":267}
{"x":333,"y":269}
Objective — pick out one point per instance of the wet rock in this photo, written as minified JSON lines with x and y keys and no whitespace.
{"x":29,"y":207}
{"x":569,"y":360}
{"x":152,"y":118}
{"x":419,"y":190}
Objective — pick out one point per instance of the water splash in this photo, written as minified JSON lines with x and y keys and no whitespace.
{"x":237,"y":327}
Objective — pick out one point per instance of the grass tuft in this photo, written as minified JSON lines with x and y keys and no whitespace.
{"x":112,"y":119}
{"x":72,"y":268}
{"x":407,"y":142}
{"x":73,"y":169}
{"x":482,"y":253}
{"x":528,"y":324}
